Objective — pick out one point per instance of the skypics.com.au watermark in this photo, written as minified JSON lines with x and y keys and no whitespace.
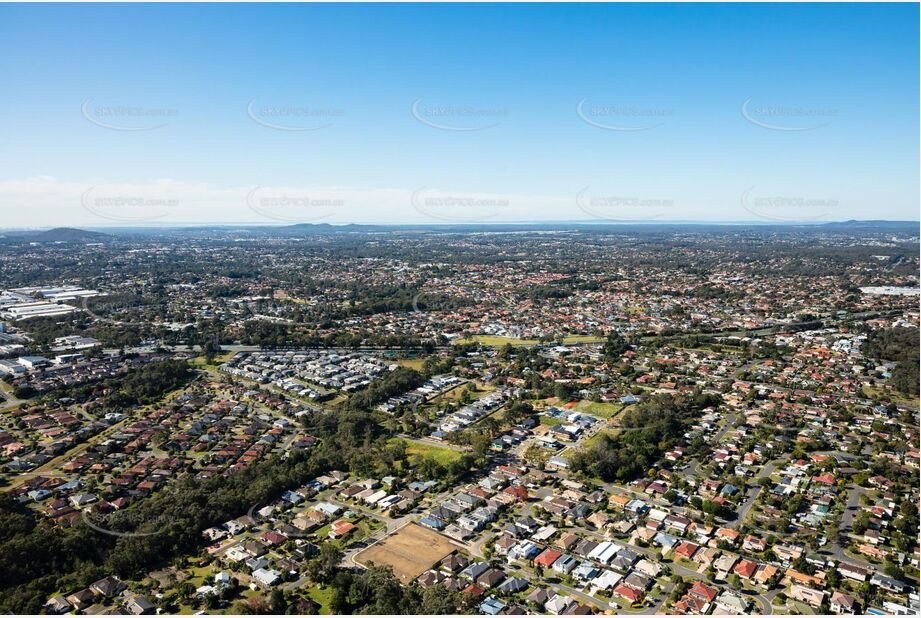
{"x":292,"y":207}
{"x":467,"y":208}
{"x":624,"y":118}
{"x":293,"y":118}
{"x":458,"y":118}
{"x":125,"y":523}
{"x":786,"y":208}
{"x":131,"y":118}
{"x":622,"y":209}
{"x":787,"y":118}
{"x":107,"y":204}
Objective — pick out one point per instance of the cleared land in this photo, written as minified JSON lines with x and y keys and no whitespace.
{"x":202,"y":362}
{"x":411,"y":551}
{"x":499,"y":341}
{"x":442,"y":455}
{"x":412,"y":363}
{"x":599,"y":409}
{"x":882,"y":394}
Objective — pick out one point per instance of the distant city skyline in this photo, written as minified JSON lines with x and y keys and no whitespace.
{"x":121,"y":115}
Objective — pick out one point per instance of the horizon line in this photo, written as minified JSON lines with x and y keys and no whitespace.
{"x":170,"y":225}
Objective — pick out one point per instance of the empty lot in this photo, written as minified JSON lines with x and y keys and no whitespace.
{"x":411,"y":551}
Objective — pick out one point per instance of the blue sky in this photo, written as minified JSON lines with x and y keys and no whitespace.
{"x":455,"y":113}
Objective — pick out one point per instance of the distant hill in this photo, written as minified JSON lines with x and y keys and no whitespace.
{"x":66,"y":234}
{"x":60,"y":234}
{"x":326,"y":228}
{"x":878,"y":225}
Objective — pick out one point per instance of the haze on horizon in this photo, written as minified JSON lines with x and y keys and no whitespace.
{"x":160,"y":115}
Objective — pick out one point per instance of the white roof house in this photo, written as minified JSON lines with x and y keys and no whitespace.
{"x":267,"y":577}
{"x":606,"y":581}
{"x":376,"y":497}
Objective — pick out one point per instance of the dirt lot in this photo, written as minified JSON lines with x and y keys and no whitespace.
{"x":411,"y":551}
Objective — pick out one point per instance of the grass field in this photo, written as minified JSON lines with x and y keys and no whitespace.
{"x":591,"y":441}
{"x":457,"y":392}
{"x":411,"y":551}
{"x":412,"y":363}
{"x":583,"y":339}
{"x":201,"y":361}
{"x":442,"y":455}
{"x":599,"y":409}
{"x":498,"y":341}
{"x":335,"y":401}
{"x":320,"y":389}
{"x":299,"y":301}
{"x":881,"y":394}
{"x":613,"y":421}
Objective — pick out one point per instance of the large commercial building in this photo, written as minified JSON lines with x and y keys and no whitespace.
{"x":40,"y":309}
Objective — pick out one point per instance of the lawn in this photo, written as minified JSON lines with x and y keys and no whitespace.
{"x":599,"y":409}
{"x":442,"y":455}
{"x":366,"y":527}
{"x":321,"y":595}
{"x":200,"y":575}
{"x":802,"y":608}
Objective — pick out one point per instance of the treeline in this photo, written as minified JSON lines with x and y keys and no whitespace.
{"x":268,"y":334}
{"x":712,"y":292}
{"x":140,"y":386}
{"x":227,"y":291}
{"x":543,"y":292}
{"x":370,"y":300}
{"x":648,"y":431}
{"x":899,"y":344}
{"x":376,"y":591}
{"x":44,"y":330}
{"x":373,"y":591}
{"x":614,"y":347}
{"x":397,"y":382}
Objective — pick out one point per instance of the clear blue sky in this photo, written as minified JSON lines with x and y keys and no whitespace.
{"x":829,"y":132}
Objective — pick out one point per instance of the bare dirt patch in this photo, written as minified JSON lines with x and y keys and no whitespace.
{"x":411,"y":551}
